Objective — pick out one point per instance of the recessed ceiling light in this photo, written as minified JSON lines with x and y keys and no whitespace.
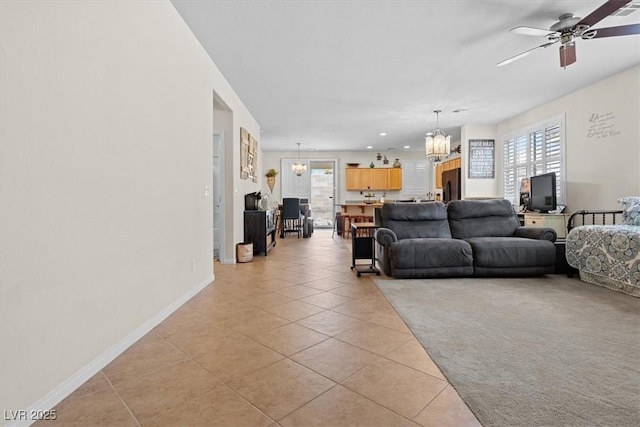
{"x":407,"y":146}
{"x":383,"y":134}
{"x":369,"y":147}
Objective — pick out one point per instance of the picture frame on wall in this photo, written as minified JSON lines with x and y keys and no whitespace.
{"x":248,"y":156}
{"x":525,"y":194}
{"x":244,"y":153}
{"x":482,"y":158}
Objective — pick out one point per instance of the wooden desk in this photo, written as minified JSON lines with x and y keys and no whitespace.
{"x":363,"y":247}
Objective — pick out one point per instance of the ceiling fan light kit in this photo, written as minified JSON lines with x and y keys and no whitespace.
{"x":569,"y":27}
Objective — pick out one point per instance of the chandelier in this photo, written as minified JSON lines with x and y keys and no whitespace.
{"x":299,"y":167}
{"x":438,"y":145}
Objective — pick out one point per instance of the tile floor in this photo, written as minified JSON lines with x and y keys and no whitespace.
{"x":291,"y":339}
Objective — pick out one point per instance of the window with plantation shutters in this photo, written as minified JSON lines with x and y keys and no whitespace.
{"x":532,"y":151}
{"x":414,"y":177}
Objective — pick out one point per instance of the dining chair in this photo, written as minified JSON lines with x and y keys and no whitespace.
{"x":292,"y":218}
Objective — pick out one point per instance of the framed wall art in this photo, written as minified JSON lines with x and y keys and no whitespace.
{"x":248,"y":156}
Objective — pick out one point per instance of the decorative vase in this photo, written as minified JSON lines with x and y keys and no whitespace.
{"x":271,"y":182}
{"x":385,"y":161}
{"x":397,"y":164}
{"x":372,"y":165}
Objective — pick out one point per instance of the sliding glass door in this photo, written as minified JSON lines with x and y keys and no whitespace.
{"x":323,"y":192}
{"x":317,"y":184}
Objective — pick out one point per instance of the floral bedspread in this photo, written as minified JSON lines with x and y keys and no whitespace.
{"x":607,"y":255}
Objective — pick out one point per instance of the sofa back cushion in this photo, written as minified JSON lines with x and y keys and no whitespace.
{"x":481,"y":218}
{"x":414,"y":220}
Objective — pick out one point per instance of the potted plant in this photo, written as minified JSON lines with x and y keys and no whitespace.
{"x":271,"y":178}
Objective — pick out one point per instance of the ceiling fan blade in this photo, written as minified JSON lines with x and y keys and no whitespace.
{"x":623,"y":30}
{"x":602,"y":12}
{"x":531,"y":31}
{"x":567,"y":54}
{"x":525,"y":53}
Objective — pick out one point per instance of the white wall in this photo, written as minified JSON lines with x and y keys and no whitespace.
{"x":271,"y":159}
{"x":106,"y":146}
{"x":599,"y":170}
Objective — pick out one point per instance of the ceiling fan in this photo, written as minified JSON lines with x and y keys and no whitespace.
{"x":570,"y":27}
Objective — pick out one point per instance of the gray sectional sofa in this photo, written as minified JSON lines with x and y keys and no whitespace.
{"x":462,"y":238}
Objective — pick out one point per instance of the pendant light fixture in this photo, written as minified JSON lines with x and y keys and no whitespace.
{"x":437,"y":144}
{"x":299,"y":167}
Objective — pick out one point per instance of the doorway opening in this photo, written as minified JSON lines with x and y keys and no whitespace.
{"x":323,"y":189}
{"x":218,"y":196}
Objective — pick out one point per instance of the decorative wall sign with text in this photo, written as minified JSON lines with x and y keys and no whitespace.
{"x":482,"y":158}
{"x":248,"y":156}
{"x":601,"y":126}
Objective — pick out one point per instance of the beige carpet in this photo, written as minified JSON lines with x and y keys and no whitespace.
{"x":549,"y":351}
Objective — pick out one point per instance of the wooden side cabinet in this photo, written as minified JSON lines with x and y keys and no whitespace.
{"x":260,"y":229}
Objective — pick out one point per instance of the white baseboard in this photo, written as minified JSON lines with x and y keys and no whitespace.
{"x":71,"y":384}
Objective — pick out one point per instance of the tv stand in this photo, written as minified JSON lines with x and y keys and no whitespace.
{"x":544,"y":219}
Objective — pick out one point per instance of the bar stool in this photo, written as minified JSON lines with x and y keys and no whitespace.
{"x":346,"y":226}
{"x":359,"y":218}
{"x":337,"y":224}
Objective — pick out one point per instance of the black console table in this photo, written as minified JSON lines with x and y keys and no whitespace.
{"x":260,"y":229}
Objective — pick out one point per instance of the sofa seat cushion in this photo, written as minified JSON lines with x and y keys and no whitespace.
{"x":430,"y":257}
{"x":511,"y":252}
{"x":430,"y":253}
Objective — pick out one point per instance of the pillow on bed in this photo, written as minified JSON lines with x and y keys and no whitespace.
{"x":630,"y":210}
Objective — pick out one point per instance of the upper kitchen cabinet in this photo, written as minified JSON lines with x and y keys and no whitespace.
{"x":373,"y":178}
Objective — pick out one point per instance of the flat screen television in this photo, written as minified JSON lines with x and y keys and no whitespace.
{"x":543,"y":193}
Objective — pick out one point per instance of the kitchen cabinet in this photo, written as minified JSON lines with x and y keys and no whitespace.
{"x":439,"y":170}
{"x":373,"y":178}
{"x":395,"y":179}
{"x":353,"y":178}
{"x":379,"y":179}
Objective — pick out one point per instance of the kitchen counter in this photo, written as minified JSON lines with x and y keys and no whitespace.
{"x":353,"y":206}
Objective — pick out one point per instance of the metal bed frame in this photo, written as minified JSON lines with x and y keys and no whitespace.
{"x":586,"y":217}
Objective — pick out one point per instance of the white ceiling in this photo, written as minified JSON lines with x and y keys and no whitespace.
{"x":332,"y":75}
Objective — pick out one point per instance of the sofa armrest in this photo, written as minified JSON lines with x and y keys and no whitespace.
{"x":385,"y":236}
{"x":539,"y":233}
